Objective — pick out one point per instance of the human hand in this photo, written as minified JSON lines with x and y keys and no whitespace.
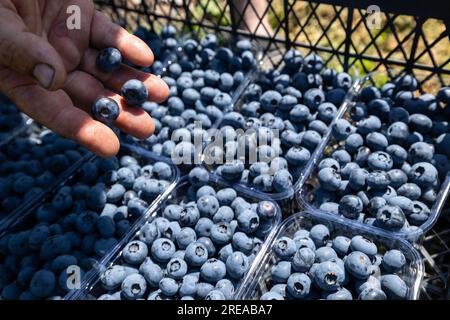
{"x":49,"y":71}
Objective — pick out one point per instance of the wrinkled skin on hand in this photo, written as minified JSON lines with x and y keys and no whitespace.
{"x":49,"y":71}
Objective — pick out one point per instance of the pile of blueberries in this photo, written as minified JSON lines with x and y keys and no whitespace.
{"x":202,"y":77}
{"x":82,"y":221}
{"x":284,"y":117}
{"x":30,"y":164}
{"x":10,"y":118}
{"x":388,"y":159}
{"x":318,"y":264}
{"x":199,"y":248}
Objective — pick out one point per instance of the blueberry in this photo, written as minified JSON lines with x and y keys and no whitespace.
{"x":151,"y":272}
{"x":188,"y":286}
{"x":368,"y":125}
{"x":358,"y":112}
{"x":162,"y":249}
{"x":203,"y":288}
{"x":357,"y":264}
{"x":353,"y":142}
{"x":329,"y":179}
{"x":135,"y":252}
{"x":185,"y":237}
{"x":313,"y":98}
{"x":176,"y":268}
{"x":221,"y":233}
{"x":298,"y":285}
{"x":105,"y":110}
{"x":394,"y":287}
{"x":106,"y":226}
{"x":237,"y":265}
{"x":86,"y":222}
{"x":134,"y":92}
{"x":62,"y":262}
{"x":423,"y":174}
{"x":358,"y":179}
{"x":340,"y":294}
{"x":281,"y":271}
{"x":266,"y":210}
{"x":303,"y":259}
{"x":226,"y":196}
{"x":11,"y":292}
{"x":196,"y":254}
{"x":270,"y":295}
{"x":330,"y":207}
{"x":326,"y":112}
{"x":205,"y":191}
{"x":134,"y":286}
{"x":393,"y":261}
{"x":109,"y":60}
{"x":319,"y":234}
{"x":209,"y":245}
{"x":398,"y":132}
{"x":421,"y":152}
{"x":342,"y":80}
{"x":299,"y":113}
{"x":203,"y":227}
{"x":328,"y":276}
{"x":284,"y":248}
{"x":242,"y":242}
{"x":364,"y":245}
{"x":293,"y":59}
{"x":215,"y":295}
{"x":54,"y":246}
{"x":341,"y":245}
{"x":42,"y":284}
{"x":350,"y":206}
{"x":342,"y":156}
{"x":378,"y":180}
{"x":226,"y":287}
{"x":380,"y":160}
{"x":302,"y":241}
{"x":213,"y":270}
{"x":410,"y":190}
{"x":420,"y":213}
{"x":420,"y":123}
{"x":341,"y":129}
{"x":325,"y":254}
{"x":390,"y":217}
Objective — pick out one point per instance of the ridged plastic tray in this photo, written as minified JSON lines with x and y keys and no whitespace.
{"x":260,"y":281}
{"x":92,"y":288}
{"x":308,"y":181}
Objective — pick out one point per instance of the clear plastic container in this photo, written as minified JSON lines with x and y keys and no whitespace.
{"x":259,"y":282}
{"x":92,"y":288}
{"x":27,"y":219}
{"x":286,"y":199}
{"x":308,"y":183}
{"x":36,"y":138}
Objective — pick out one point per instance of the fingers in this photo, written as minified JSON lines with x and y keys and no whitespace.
{"x":105,"y":33}
{"x":28,"y":53}
{"x":158,"y":90}
{"x":55,"y":110}
{"x":84,"y":89}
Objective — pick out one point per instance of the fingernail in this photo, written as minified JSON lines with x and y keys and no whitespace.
{"x":44,"y":74}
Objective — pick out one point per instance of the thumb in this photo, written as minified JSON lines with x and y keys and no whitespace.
{"x":27,"y":53}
